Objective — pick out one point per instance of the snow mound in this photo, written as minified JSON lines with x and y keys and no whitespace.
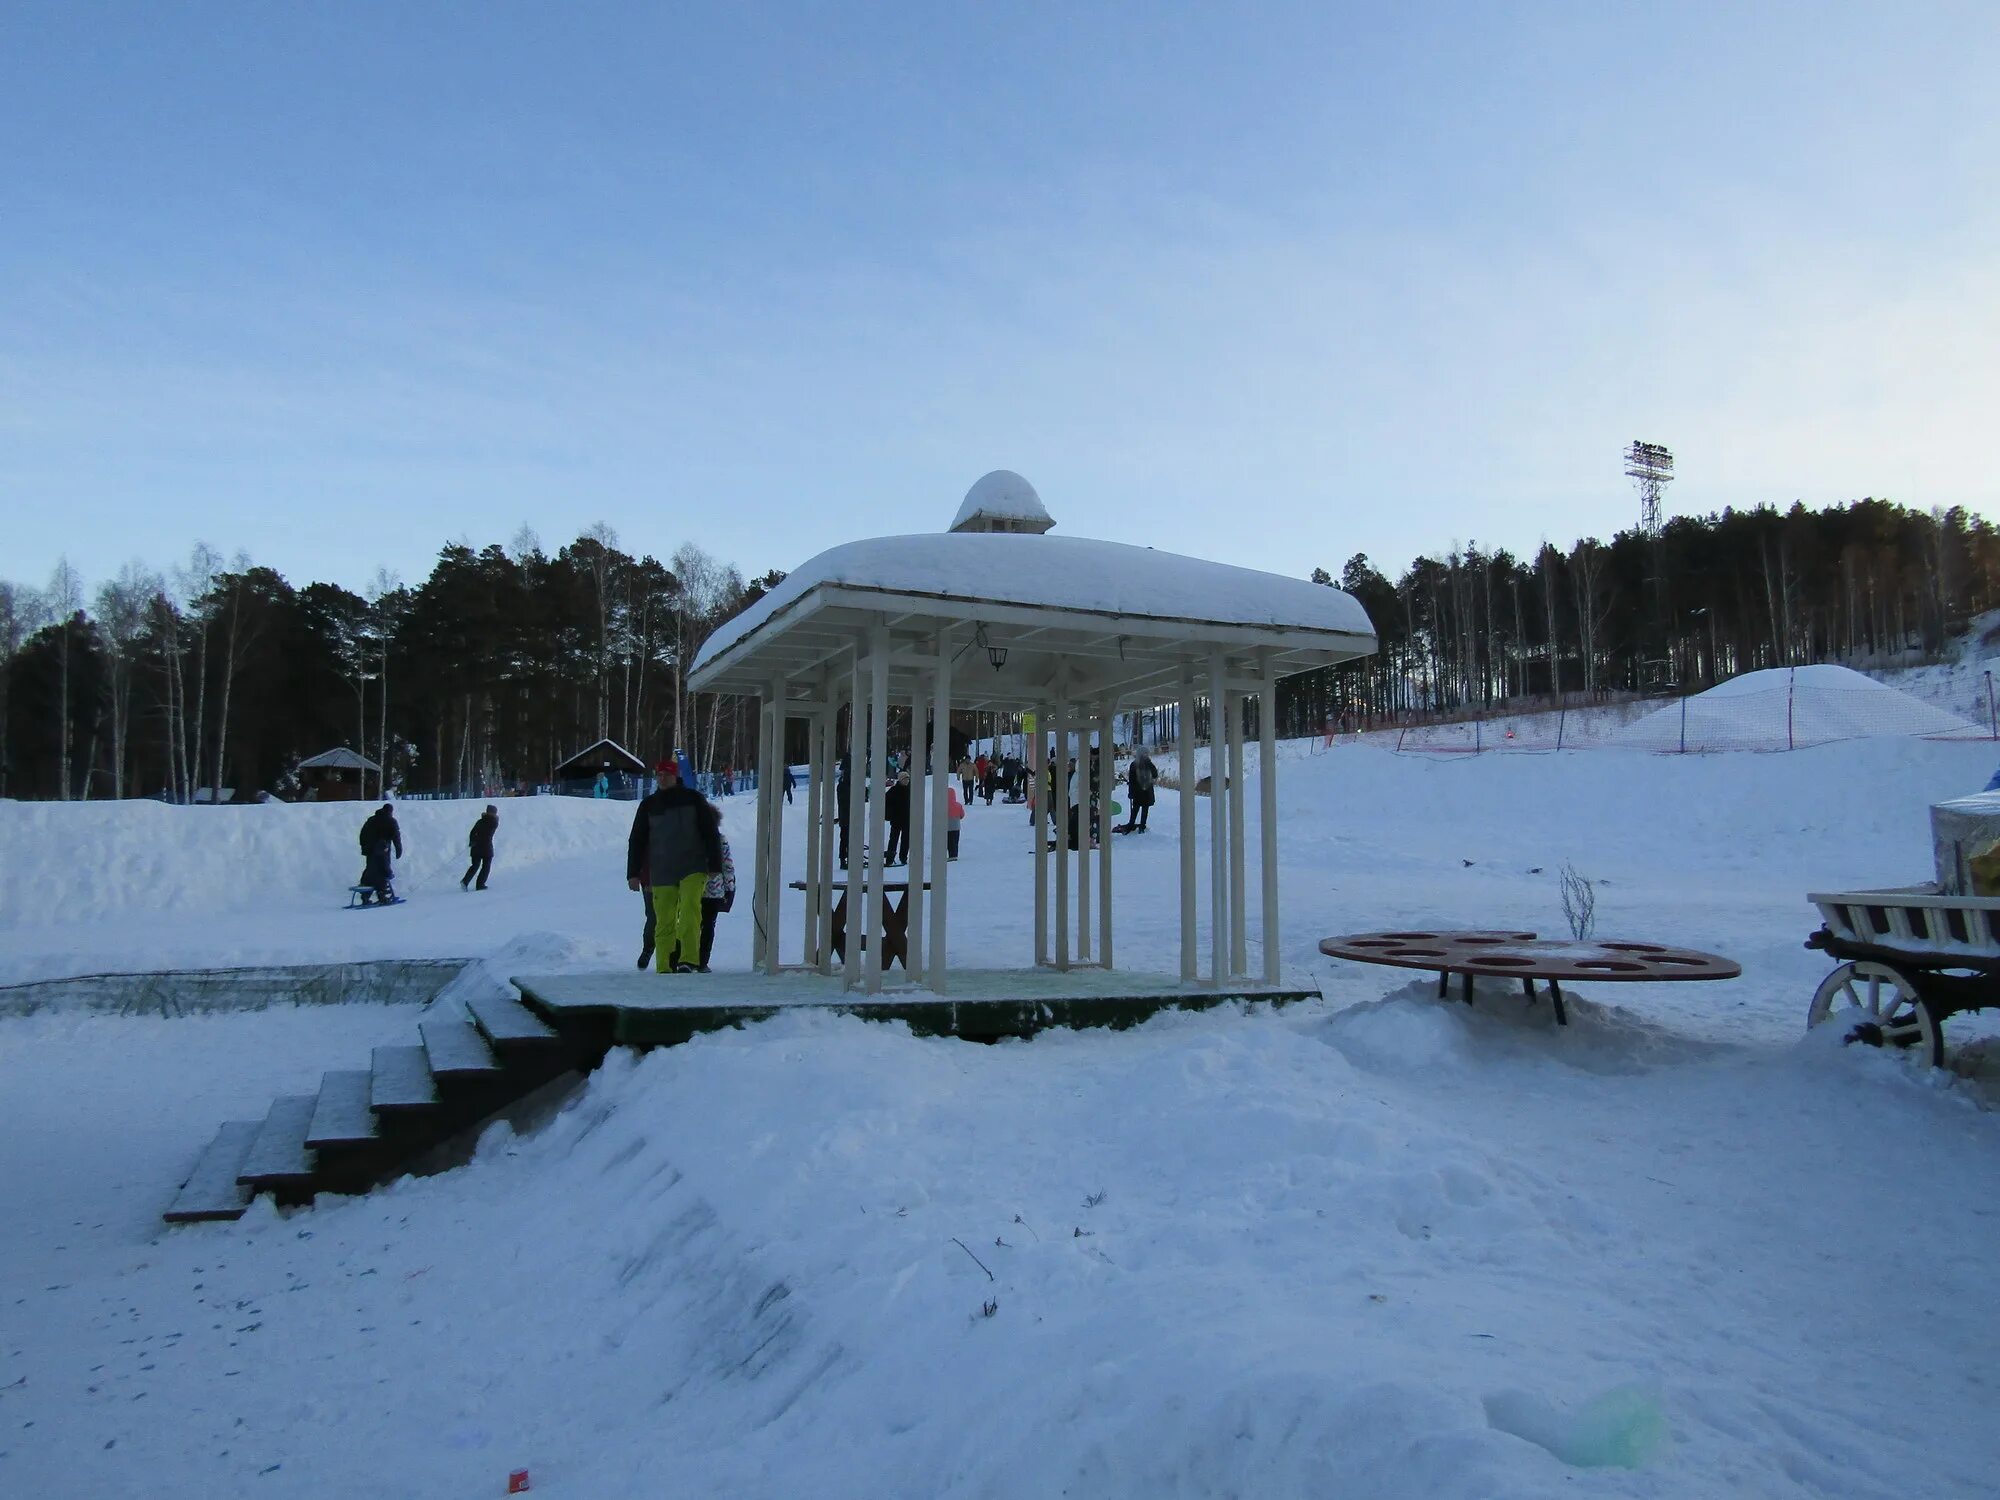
{"x":1785,"y":708}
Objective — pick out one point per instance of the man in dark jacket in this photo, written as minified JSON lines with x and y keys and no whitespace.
{"x":378,"y":836}
{"x":480,"y":842}
{"x":1139,"y":779}
{"x":840,"y":772}
{"x":675,"y":846}
{"x":896,"y":813}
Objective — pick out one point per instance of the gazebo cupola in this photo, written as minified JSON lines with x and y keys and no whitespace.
{"x":1005,"y":502}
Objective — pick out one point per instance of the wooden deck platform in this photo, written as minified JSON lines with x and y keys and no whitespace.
{"x":641,"y":1009}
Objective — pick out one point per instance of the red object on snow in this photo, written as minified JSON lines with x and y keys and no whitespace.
{"x":517,"y":1482}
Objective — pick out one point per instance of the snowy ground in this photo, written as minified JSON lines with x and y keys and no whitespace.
{"x":1381,"y":1246}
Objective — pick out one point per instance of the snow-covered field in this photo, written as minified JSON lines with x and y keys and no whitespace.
{"x":1378,"y":1246}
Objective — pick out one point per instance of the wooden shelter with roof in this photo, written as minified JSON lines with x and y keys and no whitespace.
{"x":994,"y":614}
{"x":624,"y":772}
{"x":339,"y":775}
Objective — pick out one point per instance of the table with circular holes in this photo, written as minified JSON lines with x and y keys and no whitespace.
{"x":1526,"y":957}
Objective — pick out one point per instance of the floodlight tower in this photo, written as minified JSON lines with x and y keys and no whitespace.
{"x":1652,"y":465}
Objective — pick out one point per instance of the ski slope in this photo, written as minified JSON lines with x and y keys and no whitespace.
{"x":1377,"y":1246}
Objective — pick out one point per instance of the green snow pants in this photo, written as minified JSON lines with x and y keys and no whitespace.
{"x":677,"y":922}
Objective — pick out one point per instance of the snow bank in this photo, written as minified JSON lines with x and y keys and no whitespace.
{"x":1379,"y":1246}
{"x":1785,"y":708}
{"x":1208,"y":1256}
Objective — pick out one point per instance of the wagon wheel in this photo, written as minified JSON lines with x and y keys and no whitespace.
{"x":1878,"y":1005}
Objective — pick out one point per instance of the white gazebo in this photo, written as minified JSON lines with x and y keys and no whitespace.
{"x":996,"y":615}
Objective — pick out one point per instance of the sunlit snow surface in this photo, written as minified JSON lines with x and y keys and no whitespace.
{"x":1380,"y":1246}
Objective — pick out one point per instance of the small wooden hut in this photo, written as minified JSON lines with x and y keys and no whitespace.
{"x":623,"y":772}
{"x":336,"y":776}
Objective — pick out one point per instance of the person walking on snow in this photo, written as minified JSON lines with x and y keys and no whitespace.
{"x":896,"y":811}
{"x":378,"y":836}
{"x":675,"y":845}
{"x":480,"y":843}
{"x":1139,"y":779}
{"x":955,"y":814}
{"x":717,"y":897}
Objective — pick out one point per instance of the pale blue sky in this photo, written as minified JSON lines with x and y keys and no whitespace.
{"x":335,"y":283}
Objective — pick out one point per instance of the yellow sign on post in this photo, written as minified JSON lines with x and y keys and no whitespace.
{"x":1027,"y":723}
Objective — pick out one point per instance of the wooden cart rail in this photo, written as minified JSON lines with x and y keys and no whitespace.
{"x":1914,"y":922}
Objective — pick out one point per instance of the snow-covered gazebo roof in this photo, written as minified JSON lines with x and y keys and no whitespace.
{"x":996,"y":615}
{"x":338,"y":760}
{"x":1126,"y":618}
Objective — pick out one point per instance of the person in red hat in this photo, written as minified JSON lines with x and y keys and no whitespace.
{"x":675,"y":846}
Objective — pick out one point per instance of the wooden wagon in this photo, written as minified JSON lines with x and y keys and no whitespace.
{"x":1911,"y":957}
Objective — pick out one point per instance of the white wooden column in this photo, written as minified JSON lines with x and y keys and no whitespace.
{"x":775,"y":881}
{"x":920,"y":737}
{"x":815,"y":838}
{"x":760,"y":853}
{"x":1107,"y":781}
{"x":1239,"y":958}
{"x":878,"y":790}
{"x":1218,"y":819}
{"x":1038,"y":799}
{"x":828,"y":833}
{"x":1082,"y":805}
{"x":1184,"y":752}
{"x":940,"y":813}
{"x":1267,"y":811}
{"x":857,"y":822}
{"x":1059,"y":806}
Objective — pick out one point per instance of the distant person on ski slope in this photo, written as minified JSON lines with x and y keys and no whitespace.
{"x":1140,"y":778}
{"x":378,"y":836}
{"x":480,"y":843}
{"x":896,"y":812}
{"x":790,"y":782}
{"x":840,"y":772}
{"x":675,"y":845}
{"x":718,"y":896}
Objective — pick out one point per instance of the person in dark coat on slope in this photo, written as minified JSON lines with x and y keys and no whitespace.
{"x":896,"y":813}
{"x":480,"y":843}
{"x":378,"y":836}
{"x":840,"y":773}
{"x":1139,"y":779}
{"x":675,"y":845}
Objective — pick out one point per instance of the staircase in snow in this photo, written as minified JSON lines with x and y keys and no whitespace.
{"x":364,"y":1125}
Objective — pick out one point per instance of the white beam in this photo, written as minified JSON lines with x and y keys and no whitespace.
{"x":878,"y":776}
{"x":1184,"y":751}
{"x":857,"y":825}
{"x":940,"y":815}
{"x":1218,"y":824}
{"x":1267,"y":808}
{"x":1059,"y":805}
{"x":1082,"y":814}
{"x":1239,"y":960}
{"x":919,"y":807}
{"x":760,"y":852}
{"x":1107,"y":782}
{"x":1038,"y":801}
{"x":780,"y":719}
